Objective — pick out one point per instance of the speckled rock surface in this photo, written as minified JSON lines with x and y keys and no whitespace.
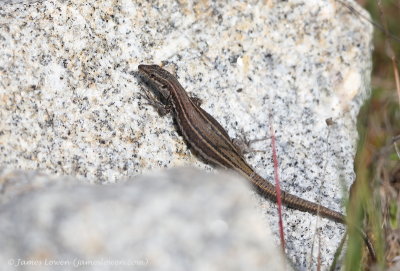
{"x":145,"y":223}
{"x":71,"y":105}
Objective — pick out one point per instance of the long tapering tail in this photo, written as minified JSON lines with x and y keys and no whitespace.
{"x":292,"y":201}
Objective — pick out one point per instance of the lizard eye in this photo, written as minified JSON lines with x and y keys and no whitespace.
{"x":164,"y":86}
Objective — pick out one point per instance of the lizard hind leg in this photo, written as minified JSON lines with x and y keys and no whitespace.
{"x":244,"y":145}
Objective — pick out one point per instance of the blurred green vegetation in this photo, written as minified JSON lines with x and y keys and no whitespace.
{"x":389,"y":16}
{"x":376,"y":161}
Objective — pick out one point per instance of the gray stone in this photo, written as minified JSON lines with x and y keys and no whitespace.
{"x":10,"y":2}
{"x":179,"y":220}
{"x":70,"y":99}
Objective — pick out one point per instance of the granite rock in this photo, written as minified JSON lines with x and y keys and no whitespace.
{"x":177,"y":220}
{"x":71,"y":99}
